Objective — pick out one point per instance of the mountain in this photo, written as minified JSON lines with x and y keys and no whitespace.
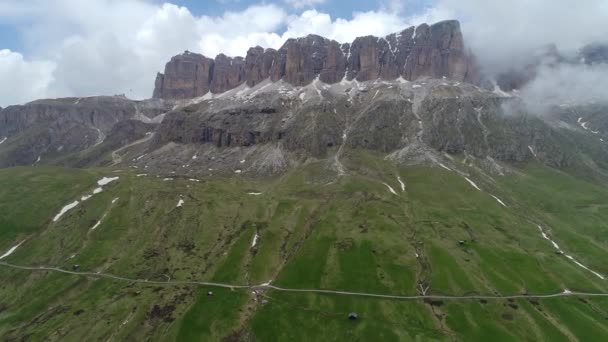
{"x":437,"y":50}
{"x":367,"y":191}
{"x":60,"y":129}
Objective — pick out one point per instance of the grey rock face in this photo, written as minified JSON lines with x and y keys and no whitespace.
{"x":55,"y":128}
{"x":186,"y":76}
{"x":434,"y":51}
{"x":429,"y":117}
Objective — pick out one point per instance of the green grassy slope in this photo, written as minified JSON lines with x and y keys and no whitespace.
{"x":315,"y":231}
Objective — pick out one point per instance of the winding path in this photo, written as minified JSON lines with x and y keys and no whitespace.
{"x":117,"y":158}
{"x":318,"y":291}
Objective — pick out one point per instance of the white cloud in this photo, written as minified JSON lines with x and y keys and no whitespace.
{"x":23,"y":80}
{"x":304,"y":3}
{"x":500,"y":32}
{"x":343,"y":30}
{"x":106,"y":47}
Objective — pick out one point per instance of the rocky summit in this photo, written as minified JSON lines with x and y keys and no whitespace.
{"x":436,"y":50}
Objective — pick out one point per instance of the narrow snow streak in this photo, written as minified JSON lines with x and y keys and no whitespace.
{"x":65,"y":210}
{"x":556,"y":246}
{"x":401,"y":183}
{"x":532,"y":151}
{"x":585,"y":267}
{"x":445,"y":167}
{"x":499,"y":201}
{"x":98,"y":222}
{"x":3,"y":140}
{"x":11,"y":250}
{"x":472,"y":183}
{"x":254,"y":193}
{"x":390,"y":188}
{"x":255,"y":240}
{"x":106,"y":180}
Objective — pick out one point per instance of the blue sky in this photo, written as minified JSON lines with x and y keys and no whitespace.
{"x":337,"y":8}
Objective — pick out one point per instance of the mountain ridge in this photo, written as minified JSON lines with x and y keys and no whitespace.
{"x":436,"y":50}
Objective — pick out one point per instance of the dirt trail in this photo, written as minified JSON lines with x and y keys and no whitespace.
{"x":565,"y":293}
{"x":117,"y":158}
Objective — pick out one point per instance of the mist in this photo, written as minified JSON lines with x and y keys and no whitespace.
{"x":566,"y":84}
{"x":507,"y":35}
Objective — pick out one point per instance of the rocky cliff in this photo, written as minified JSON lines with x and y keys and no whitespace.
{"x":48,"y":131}
{"x":437,"y":51}
{"x":271,"y":128}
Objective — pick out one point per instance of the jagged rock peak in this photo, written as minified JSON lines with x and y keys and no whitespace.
{"x":436,"y":50}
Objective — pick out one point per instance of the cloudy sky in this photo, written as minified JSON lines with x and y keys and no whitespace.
{"x":103,"y":47}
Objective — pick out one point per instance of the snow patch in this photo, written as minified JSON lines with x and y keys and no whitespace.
{"x":532,"y":151}
{"x":571,"y":258}
{"x":499,"y":91}
{"x":238,"y":171}
{"x":401,"y":183}
{"x":85,"y":197}
{"x":255,"y":240}
{"x":445,"y":167}
{"x":97,"y":190}
{"x":499,"y":201}
{"x":555,"y":245}
{"x":194,"y":180}
{"x":472,"y":183}
{"x":106,"y":180}
{"x":585,"y":267}
{"x":390,"y":188}
{"x":167,"y":179}
{"x":11,"y":250}
{"x":65,"y":210}
{"x":254,"y":193}
{"x":180,"y":203}
{"x":141,"y":175}
{"x":98,"y":222}
{"x":115,"y":200}
{"x":3,"y":140}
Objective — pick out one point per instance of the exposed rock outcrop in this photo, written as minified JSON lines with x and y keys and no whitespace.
{"x":186,"y":76}
{"x":436,"y":51}
{"x":410,"y":122}
{"x":50,"y":130}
